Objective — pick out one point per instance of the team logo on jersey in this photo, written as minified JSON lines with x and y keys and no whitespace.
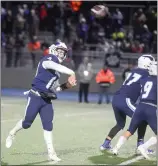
{"x":50,"y":58}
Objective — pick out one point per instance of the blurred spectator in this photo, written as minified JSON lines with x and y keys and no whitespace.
{"x":104,"y":45}
{"x":9,"y":23}
{"x":82,"y":30}
{"x":104,"y":78}
{"x":9,"y":50}
{"x":126,"y":46}
{"x":33,"y":47}
{"x":19,"y":44}
{"x":3,"y":39}
{"x":26,"y":16}
{"x":139,"y":19}
{"x":76,"y":55}
{"x":45,"y":47}
{"x":101,"y":34}
{"x":146,"y":38}
{"x":68,"y":29}
{"x":117,"y":19}
{"x":112,"y":58}
{"x":154,"y":43}
{"x":57,"y":20}
{"x":151,"y":15}
{"x":33,"y":23}
{"x":136,"y":47}
{"x":3,"y":18}
{"x":26,"y":10}
{"x":19,"y":23}
{"x":127,"y":71}
{"x":43,"y":17}
{"x":85,"y":72}
{"x":130,"y":34}
{"x":93,"y":33}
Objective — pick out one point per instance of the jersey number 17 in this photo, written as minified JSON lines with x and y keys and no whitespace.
{"x":131,"y":78}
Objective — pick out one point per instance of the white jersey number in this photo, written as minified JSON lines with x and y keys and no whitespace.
{"x":54,"y":82}
{"x":132,"y":78}
{"x":147,"y":89}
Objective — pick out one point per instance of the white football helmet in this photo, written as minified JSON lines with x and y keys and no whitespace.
{"x":59,"y":49}
{"x":153,"y":68}
{"x":145,"y":60}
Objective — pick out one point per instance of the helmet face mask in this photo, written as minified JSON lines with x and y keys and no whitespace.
{"x":153,"y":68}
{"x":61,"y":53}
{"x":60,"y":50}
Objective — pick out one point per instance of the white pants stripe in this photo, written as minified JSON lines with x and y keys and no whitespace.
{"x":28,"y":102}
{"x":130,"y":105}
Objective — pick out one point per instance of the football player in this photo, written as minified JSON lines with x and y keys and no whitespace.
{"x":145,"y":111}
{"x":43,"y":91}
{"x":124,"y":101}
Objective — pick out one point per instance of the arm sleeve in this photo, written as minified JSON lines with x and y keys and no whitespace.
{"x":112,"y":78}
{"x":58,"y":67}
{"x":98,"y":76}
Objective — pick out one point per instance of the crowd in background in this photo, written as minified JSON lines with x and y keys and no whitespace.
{"x":22,"y":23}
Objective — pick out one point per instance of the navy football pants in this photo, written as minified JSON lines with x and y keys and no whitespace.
{"x":122,"y":107}
{"x":144,"y":112}
{"x":36,"y":105}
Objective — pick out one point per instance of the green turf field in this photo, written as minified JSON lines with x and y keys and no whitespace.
{"x":79,"y":130}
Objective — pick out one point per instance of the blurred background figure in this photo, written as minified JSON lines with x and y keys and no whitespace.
{"x":9,"y":22}
{"x":33,"y":21}
{"x":19,"y":44}
{"x":82,"y":30}
{"x":137,"y":47}
{"x":127,"y":71}
{"x":85,"y":72}
{"x":104,"y":78}
{"x":45,"y":47}
{"x":34,"y":45}
{"x":117,"y":19}
{"x":9,"y":50}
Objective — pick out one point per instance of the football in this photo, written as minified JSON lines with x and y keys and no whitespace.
{"x":99,"y":11}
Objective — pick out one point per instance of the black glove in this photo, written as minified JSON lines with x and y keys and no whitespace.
{"x":51,"y":96}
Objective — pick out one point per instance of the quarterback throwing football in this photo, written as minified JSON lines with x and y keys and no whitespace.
{"x":43,"y":91}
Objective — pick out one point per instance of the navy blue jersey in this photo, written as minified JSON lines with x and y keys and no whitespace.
{"x":131,"y":87}
{"x":45,"y":80}
{"x":149,"y":90}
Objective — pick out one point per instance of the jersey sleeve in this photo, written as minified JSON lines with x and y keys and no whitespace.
{"x":55,"y":59}
{"x":57,"y":67}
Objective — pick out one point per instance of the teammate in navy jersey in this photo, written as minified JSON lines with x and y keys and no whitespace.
{"x":146,"y":111}
{"x":44,"y":87}
{"x":124,"y":101}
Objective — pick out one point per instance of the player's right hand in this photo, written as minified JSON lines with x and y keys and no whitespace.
{"x":72,"y":80}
